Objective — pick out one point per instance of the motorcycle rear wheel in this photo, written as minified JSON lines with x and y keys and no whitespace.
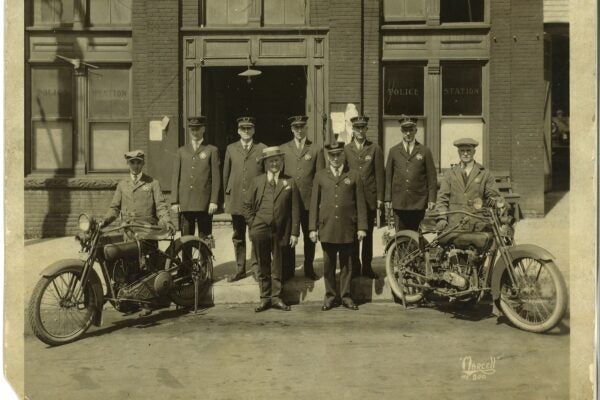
{"x":182,"y":292}
{"x":56,"y":319}
{"x":406,"y":245}
{"x":540,"y":302}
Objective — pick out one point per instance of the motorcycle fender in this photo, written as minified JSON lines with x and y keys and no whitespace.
{"x":407,"y":232}
{"x":187,"y":238}
{"x":519,"y":251}
{"x":56,"y":267}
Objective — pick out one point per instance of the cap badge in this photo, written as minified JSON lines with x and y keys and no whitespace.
{"x":419,"y":156}
{"x":347,"y":181}
{"x":307,"y":157}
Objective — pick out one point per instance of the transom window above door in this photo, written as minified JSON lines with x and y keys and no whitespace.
{"x":266,"y":12}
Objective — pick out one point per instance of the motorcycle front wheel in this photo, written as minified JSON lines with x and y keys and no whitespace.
{"x":195,"y":263}
{"x":57,"y":318}
{"x":399,"y":272}
{"x":538,"y":300}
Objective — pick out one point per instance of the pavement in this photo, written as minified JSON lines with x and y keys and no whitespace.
{"x":549,"y":232}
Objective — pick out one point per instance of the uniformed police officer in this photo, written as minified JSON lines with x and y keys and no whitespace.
{"x":196,"y":181}
{"x":139,"y":197}
{"x":366,"y":158}
{"x":462,"y":184}
{"x":302,"y":159}
{"x":338,"y":215}
{"x":273,"y":217}
{"x":239,"y":168}
{"x":410,"y":178}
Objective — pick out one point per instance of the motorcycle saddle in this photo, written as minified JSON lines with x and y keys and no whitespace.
{"x":464,"y":240}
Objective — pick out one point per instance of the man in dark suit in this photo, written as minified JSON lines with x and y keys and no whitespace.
{"x":338,"y":215}
{"x":366,"y":158}
{"x":302,"y":160}
{"x":239,"y":168}
{"x":410,"y":179}
{"x":196,"y":181}
{"x":273,"y":217}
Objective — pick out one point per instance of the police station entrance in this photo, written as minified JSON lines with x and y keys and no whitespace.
{"x":271,"y":97}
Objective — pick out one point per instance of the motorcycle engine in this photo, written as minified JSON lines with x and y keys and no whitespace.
{"x":459,"y":268}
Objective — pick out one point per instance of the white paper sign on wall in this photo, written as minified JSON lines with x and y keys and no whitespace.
{"x":156,"y":131}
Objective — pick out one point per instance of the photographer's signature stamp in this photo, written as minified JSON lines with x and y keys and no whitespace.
{"x":475,"y":370}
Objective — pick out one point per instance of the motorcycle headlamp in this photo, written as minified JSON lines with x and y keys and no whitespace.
{"x":85,"y":222}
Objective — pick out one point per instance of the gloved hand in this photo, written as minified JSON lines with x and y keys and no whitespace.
{"x":441,"y":225}
{"x":102,"y":223}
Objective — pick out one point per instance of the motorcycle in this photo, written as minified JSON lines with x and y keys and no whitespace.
{"x":465,"y":266}
{"x":137,"y":275}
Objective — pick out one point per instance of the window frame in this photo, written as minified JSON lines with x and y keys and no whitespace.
{"x":91,"y":120}
{"x":88,"y":17}
{"x":31,"y":121}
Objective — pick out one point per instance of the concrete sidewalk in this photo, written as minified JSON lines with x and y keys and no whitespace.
{"x":550,"y":232}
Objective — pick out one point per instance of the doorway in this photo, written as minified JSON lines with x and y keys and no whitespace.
{"x":278,"y":93}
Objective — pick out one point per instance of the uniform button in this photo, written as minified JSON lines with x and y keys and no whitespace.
{"x":193,"y":158}
{"x":336,"y":206}
{"x":193,"y":167}
{"x":336,"y":217}
{"x":297,"y":177}
{"x":407,"y":181}
{"x":335,"y":195}
{"x":359,"y":167}
{"x":191,"y":187}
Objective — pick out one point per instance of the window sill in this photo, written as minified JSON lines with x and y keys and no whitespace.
{"x":442,"y":27}
{"x":50,"y":28}
{"x":39,"y":180}
{"x":253,"y":29}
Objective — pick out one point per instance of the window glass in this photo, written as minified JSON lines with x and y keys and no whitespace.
{"x":403,"y":90}
{"x":404,"y":10}
{"x":56,"y":12}
{"x":461,"y":11}
{"x":461,"y":90}
{"x":52,"y":145}
{"x":288,"y":12}
{"x":108,"y":140}
{"x":109,"y":93}
{"x":51,"y":92}
{"x":227,"y":12}
{"x":109,"y":12}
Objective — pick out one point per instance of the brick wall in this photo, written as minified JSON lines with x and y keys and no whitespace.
{"x":189,"y":12}
{"x":371,"y":67}
{"x":517,"y":98}
{"x":156,"y":81}
{"x":54,"y":212}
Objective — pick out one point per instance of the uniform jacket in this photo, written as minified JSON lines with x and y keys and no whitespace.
{"x":410,"y":179}
{"x":285,"y":217}
{"x":238,"y":170}
{"x":196,"y":177}
{"x":142,"y":202}
{"x":455,"y":195}
{"x":368,"y":162}
{"x":302,"y":166}
{"x":337,"y":207}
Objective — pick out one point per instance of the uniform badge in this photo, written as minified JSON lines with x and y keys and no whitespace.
{"x":307,"y":157}
{"x":285,"y":185}
{"x":146,"y":187}
{"x":202,"y":155}
{"x":368,"y":157}
{"x":477,"y":180}
{"x":419,"y":156}
{"x":347,"y":181}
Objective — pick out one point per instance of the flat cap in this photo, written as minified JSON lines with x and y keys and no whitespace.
{"x":360,"y":120}
{"x":466,"y":142}
{"x":298,"y":120}
{"x":135,"y":155}
{"x":246,"y":121}
{"x":407,"y":122}
{"x":334,"y":147}
{"x":199,"y":120}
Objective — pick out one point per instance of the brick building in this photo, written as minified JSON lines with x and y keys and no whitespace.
{"x":102,"y":74}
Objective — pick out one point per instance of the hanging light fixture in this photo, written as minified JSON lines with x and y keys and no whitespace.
{"x":249,"y":73}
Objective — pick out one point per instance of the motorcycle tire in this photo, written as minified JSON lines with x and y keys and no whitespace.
{"x":411,"y":294}
{"x":182,"y":292}
{"x":54,"y":319}
{"x":513,"y":302}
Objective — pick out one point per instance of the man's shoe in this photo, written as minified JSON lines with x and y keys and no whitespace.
{"x":327,"y":306}
{"x":312,"y":276}
{"x":350,"y":305}
{"x":281,"y":306}
{"x":237,"y":277}
{"x":262,"y":307}
{"x":370,"y":274}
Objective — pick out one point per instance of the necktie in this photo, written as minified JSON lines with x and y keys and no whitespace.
{"x":135,"y":179}
{"x":464,"y":175}
{"x":246,"y":147}
{"x":195,"y":145}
